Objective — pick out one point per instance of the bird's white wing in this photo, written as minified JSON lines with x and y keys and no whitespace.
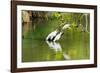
{"x":51,"y":35}
{"x":58,"y":36}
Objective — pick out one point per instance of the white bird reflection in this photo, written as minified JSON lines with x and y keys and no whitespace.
{"x":57,"y":48}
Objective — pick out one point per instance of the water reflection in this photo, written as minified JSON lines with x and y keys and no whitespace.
{"x":57,"y":48}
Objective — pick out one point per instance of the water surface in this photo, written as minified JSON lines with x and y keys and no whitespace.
{"x":73,"y":45}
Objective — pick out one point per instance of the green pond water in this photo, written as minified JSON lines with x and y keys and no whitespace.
{"x":73,"y":45}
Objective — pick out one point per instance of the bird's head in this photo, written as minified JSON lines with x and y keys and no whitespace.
{"x":66,"y":26}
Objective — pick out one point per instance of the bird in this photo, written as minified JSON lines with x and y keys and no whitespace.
{"x":56,"y":34}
